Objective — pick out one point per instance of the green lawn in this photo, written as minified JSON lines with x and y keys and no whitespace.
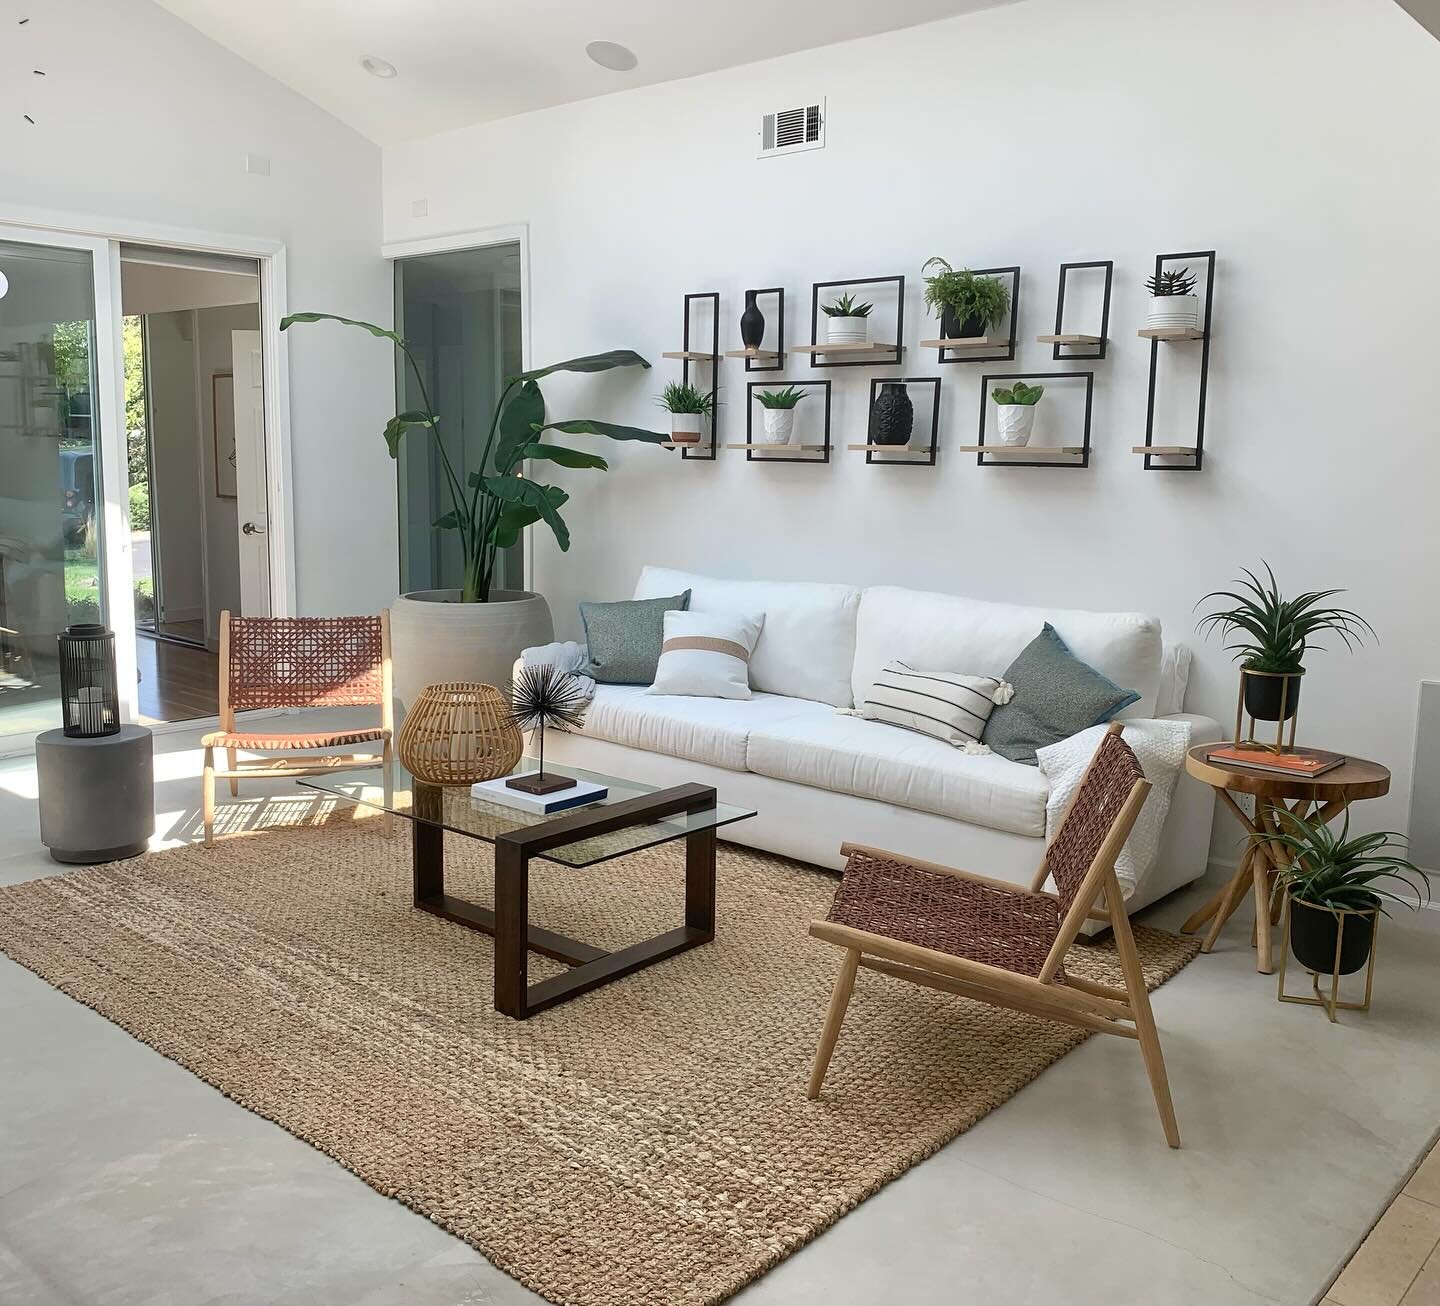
{"x":82,"y":593}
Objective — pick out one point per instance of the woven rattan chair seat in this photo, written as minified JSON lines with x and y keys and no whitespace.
{"x":277,"y":742}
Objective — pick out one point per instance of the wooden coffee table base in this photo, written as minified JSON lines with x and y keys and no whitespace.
{"x":509,"y":924}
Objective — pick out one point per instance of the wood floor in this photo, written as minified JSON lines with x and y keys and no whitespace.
{"x":177,"y":682}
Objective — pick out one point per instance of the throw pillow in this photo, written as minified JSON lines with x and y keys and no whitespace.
{"x":624,"y":638}
{"x":943,"y":704}
{"x":1056,"y":696}
{"x":707,"y":654}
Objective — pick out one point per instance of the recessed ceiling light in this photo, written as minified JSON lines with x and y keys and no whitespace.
{"x":609,"y":55}
{"x":378,"y":67}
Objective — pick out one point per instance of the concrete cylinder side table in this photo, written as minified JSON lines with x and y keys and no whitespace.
{"x":97,"y":795}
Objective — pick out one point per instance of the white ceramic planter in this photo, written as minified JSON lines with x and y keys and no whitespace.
{"x":435,"y":637}
{"x":1013,"y":423}
{"x":685,"y":427}
{"x":1173,"y":311}
{"x":779,"y":426}
{"x":847,"y":330}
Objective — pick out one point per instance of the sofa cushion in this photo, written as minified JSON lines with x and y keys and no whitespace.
{"x":713,"y":730}
{"x":872,"y":760}
{"x":807,"y":646}
{"x":943,"y":632}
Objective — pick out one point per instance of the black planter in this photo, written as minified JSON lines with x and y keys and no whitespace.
{"x":892,"y":416}
{"x":1313,"y":933}
{"x":1263,"y":694}
{"x":950,"y":329}
{"x":752,"y":323}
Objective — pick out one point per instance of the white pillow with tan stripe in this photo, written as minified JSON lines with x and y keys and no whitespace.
{"x":944,"y":704}
{"x":706,"y":654}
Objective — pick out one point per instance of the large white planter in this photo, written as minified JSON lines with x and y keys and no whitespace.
{"x":435,"y":637}
{"x":847,"y":330}
{"x":685,"y":427}
{"x":1014,"y":422}
{"x":1170,"y":311}
{"x":779,"y":426}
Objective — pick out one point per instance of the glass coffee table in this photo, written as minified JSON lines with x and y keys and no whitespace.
{"x":631,"y":818}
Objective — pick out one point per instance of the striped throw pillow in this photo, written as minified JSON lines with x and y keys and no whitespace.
{"x":943,"y":704}
{"x":707,"y":654}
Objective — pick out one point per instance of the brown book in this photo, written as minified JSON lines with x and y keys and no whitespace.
{"x":1305,"y":766}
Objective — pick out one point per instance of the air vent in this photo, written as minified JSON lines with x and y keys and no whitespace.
{"x":787,"y":131}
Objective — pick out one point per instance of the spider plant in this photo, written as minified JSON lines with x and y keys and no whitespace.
{"x":786,"y":398}
{"x":963,"y":295}
{"x":1343,"y":873}
{"x":1275,"y":632}
{"x":1166,"y":284}
{"x":845,"y":306}
{"x":682,"y":397}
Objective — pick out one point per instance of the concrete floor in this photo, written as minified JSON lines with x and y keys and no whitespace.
{"x":125,"y":1180}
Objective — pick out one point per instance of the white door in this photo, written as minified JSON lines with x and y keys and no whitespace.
{"x":249,"y":454}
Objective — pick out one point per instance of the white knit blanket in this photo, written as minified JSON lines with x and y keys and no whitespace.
{"x":1160,"y":747}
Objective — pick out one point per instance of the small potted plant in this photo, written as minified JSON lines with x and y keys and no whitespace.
{"x":846,"y":322}
{"x":688,"y":409}
{"x":967,"y":305}
{"x":779,"y":406}
{"x":1172,"y":303}
{"x":1334,"y":880}
{"x":1015,"y":412}
{"x":1274,"y":634}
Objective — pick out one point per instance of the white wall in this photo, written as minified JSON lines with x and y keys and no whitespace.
{"x":141,"y":119}
{"x":1297,"y":137}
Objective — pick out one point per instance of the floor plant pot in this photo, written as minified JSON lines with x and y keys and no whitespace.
{"x":779,"y":426}
{"x":685,"y":427}
{"x":752,"y":323}
{"x":847,"y":330}
{"x":1265,"y":692}
{"x":1315,"y":934}
{"x":1171,"y":311}
{"x":436,"y":638}
{"x":951,"y":329}
{"x":1013,"y":423}
{"x":892,"y":416}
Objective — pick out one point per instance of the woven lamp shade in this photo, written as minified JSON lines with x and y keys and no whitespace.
{"x":458,"y":733}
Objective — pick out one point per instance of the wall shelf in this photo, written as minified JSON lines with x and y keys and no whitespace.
{"x":761,"y":359}
{"x":910,"y":455}
{"x":869,"y":347}
{"x":1069,"y":338}
{"x":1023,"y":450}
{"x":865,"y":355}
{"x":685,"y":444}
{"x":778,"y":448}
{"x":1166,"y":450}
{"x":704,"y":451}
{"x":790,"y":453}
{"x":753,"y":353}
{"x":1032,"y":455}
{"x":690,"y":355}
{"x":966,"y":349}
{"x":1060,"y":339}
{"x":966,"y":342}
{"x":1174,"y":457}
{"x":888,"y":448}
{"x":1171,"y":333}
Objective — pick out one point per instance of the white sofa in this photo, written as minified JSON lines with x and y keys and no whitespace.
{"x":817,"y":777}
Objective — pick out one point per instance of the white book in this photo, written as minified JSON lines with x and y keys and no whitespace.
{"x":497,"y":791}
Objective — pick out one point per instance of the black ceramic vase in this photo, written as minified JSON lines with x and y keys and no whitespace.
{"x":892,"y":416}
{"x":1314,"y":932}
{"x":1263,"y":696}
{"x":950,"y":329}
{"x":752,"y":323}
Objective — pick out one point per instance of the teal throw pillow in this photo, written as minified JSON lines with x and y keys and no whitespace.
{"x":624,"y":638}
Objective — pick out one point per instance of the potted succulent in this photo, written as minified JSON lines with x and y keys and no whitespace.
{"x":1015,"y":411}
{"x":779,"y":406}
{"x":688,"y":409}
{"x":476,"y":632}
{"x":1274,"y":634}
{"x":846,"y":322}
{"x":967,"y":305}
{"x":1172,"y":303}
{"x":1332,"y":881}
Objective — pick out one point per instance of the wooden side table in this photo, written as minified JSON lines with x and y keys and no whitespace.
{"x":1328,"y":794}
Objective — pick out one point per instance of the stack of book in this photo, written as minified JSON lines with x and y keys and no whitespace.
{"x":578,"y":795}
{"x":1303,"y":765}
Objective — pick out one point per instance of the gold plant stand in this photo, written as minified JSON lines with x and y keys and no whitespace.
{"x":1247,"y":739}
{"x":1329,"y":1001}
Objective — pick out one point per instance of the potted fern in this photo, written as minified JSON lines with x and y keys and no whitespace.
{"x":967,"y":305}
{"x":1337,"y":886}
{"x":779,"y":406}
{"x":1273,"y":636}
{"x":1173,"y":305}
{"x":1015,"y":412}
{"x":688,"y":408}
{"x":846,"y":322}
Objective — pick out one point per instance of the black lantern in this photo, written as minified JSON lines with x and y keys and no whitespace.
{"x":88,"y":696}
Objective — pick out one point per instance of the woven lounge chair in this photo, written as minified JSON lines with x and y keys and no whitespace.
{"x":296,"y":662}
{"x":997,"y":943}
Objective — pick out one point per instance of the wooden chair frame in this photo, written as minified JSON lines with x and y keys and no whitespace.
{"x":278,"y":765}
{"x":1080,"y":1002}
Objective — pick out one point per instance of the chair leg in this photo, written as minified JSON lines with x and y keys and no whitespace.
{"x":1149,"y":1037}
{"x":230,"y":766}
{"x":834,"y":1018}
{"x":208,"y":797}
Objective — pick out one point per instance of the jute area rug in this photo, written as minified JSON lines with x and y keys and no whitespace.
{"x":649,"y":1143}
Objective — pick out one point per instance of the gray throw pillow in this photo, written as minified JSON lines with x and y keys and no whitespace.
{"x":624,"y":638}
{"x":1056,"y":696}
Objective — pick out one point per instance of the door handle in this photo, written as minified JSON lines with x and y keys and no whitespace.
{"x":249,"y":528}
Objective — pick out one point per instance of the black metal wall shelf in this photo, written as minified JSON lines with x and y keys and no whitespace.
{"x":783,"y":453}
{"x":869,"y":354}
{"x":1032,"y":455}
{"x":903,"y":455}
{"x":704,"y":451}
{"x":1061,"y":339}
{"x":966,"y":349}
{"x":761,"y":359}
{"x":1179,"y":457}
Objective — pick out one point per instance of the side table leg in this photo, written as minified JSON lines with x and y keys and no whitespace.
{"x":1234,"y":891}
{"x":1260,"y":867}
{"x":512,"y":928}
